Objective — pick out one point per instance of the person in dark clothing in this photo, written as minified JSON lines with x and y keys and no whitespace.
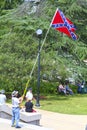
{"x":29,"y":106}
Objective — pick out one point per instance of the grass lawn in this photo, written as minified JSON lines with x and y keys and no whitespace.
{"x":76,"y":104}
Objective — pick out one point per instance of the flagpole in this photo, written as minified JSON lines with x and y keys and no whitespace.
{"x":36,"y":61}
{"x":38,"y":54}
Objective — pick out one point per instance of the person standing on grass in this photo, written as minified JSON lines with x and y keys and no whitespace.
{"x":16,"y":109}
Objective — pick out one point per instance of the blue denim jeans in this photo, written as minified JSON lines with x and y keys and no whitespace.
{"x":15,"y":116}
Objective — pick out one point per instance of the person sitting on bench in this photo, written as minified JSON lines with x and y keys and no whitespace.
{"x":29,"y":105}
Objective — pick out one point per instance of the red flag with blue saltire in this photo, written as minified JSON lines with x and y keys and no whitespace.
{"x":63,"y":24}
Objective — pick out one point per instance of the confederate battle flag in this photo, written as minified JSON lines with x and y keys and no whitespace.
{"x":63,"y":24}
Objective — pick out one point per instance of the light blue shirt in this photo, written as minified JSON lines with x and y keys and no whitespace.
{"x":2,"y":99}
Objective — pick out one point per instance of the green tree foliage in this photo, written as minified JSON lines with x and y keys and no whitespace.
{"x":61,"y":57}
{"x":9,"y":4}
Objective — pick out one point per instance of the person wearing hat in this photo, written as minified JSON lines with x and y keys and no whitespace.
{"x":29,"y":94}
{"x":2,"y":97}
{"x":16,"y":109}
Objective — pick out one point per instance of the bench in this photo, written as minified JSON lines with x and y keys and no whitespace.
{"x":32,"y":117}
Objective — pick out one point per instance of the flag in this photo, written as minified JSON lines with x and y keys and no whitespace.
{"x":63,"y":24}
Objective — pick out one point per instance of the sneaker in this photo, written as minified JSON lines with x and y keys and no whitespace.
{"x":18,"y":127}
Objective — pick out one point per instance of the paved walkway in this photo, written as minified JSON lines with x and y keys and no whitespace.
{"x":63,"y":121}
{"x":52,"y":121}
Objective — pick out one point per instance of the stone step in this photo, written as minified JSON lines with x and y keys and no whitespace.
{"x":5,"y":124}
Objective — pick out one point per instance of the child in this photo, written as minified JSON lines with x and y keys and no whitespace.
{"x":15,"y":109}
